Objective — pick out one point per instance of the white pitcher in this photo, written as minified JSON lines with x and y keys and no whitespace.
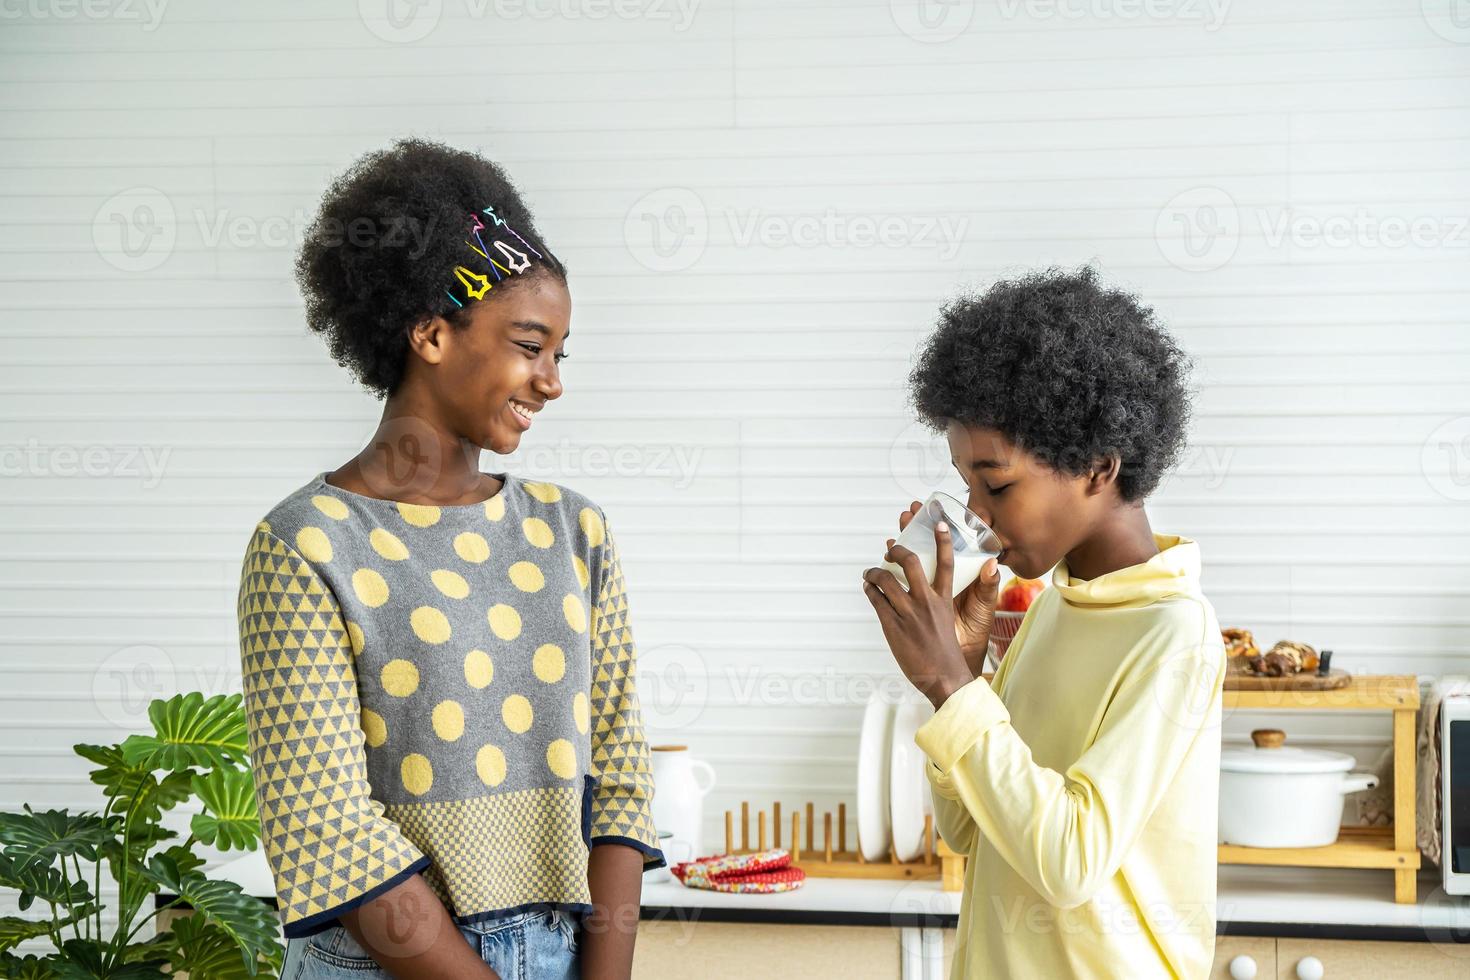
{"x":678,"y":795}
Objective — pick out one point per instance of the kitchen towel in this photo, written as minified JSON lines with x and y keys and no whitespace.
{"x":1375,"y":807}
{"x":760,"y":872}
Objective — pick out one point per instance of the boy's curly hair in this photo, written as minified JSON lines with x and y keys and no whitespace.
{"x":1067,"y":369}
{"x":380,"y":253}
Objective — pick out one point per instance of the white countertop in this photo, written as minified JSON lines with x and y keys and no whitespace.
{"x":1299,"y":896}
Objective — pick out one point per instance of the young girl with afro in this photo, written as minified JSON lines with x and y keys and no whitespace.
{"x":439,"y":672}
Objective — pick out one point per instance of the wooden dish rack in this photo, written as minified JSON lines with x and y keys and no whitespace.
{"x":1392,"y":847}
{"x":938,"y":860}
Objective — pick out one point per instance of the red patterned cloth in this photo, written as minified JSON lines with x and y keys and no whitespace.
{"x":758,"y":872}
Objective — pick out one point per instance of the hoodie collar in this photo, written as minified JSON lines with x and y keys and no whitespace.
{"x":1173,"y":571}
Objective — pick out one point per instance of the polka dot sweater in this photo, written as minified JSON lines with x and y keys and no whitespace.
{"x":447,"y":690}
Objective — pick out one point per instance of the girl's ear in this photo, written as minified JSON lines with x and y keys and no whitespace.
{"x":1104,"y":473}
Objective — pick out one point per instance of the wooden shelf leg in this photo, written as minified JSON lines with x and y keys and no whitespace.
{"x":1405,"y":880}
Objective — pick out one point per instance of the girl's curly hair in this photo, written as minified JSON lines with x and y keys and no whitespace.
{"x":379,"y":255}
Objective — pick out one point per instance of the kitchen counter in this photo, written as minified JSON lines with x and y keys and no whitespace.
{"x":1325,"y":903}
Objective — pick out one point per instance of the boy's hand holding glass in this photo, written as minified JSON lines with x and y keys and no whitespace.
{"x":974,"y":604}
{"x":923,"y":624}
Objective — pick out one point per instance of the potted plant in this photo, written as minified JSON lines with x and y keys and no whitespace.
{"x":197,"y":750}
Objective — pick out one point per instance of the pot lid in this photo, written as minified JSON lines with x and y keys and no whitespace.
{"x":1269,"y":755}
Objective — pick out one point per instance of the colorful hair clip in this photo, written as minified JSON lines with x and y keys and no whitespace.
{"x":495,"y":244}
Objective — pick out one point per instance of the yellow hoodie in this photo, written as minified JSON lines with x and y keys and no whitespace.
{"x":1082,"y":782}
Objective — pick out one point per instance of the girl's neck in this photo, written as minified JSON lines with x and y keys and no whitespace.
{"x":1121,"y":539}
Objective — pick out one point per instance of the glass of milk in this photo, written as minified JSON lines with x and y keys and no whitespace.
{"x":974,"y":541}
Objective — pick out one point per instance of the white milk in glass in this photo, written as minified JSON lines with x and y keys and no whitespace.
{"x":974,"y":543}
{"x":966,"y":568}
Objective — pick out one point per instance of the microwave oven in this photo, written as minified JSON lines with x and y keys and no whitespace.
{"x":1454,"y":758}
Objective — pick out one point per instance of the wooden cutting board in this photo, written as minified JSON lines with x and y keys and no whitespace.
{"x":1235,"y":681}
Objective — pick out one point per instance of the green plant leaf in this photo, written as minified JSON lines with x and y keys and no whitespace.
{"x":190,"y":730}
{"x":243,"y":917}
{"x":15,"y":930}
{"x":205,"y":950}
{"x":14,"y":967}
{"x":136,"y":788}
{"x":229,"y":821}
{"x":47,"y":884}
{"x":38,"y":839}
{"x":186,"y":859}
{"x":82,"y":959}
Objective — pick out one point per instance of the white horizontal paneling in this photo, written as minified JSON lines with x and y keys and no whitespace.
{"x":742,"y":417}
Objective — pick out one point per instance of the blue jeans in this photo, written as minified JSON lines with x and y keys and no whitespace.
{"x":537,"y":945}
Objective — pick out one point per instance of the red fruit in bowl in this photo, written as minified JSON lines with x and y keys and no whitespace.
{"x":1019,"y":593}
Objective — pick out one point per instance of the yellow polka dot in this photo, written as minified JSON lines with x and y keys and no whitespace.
{"x":429,"y":624}
{"x":478,"y":669}
{"x":387,"y":545}
{"x":549,"y":663}
{"x":418,"y":775}
{"x":313,"y":544}
{"x":400,"y":678}
{"x":538,"y":532}
{"x":547,"y":493}
{"x":471,"y":547}
{"x":371,"y":590}
{"x":525,"y":576}
{"x":355,"y":637}
{"x":515,"y":711}
{"x":331,"y":506}
{"x":580,"y":567}
{"x":576,"y":613}
{"x":581,"y":711}
{"x":592,"y":526}
{"x":374,"y":728}
{"x":448,"y":718}
{"x":490,"y":765}
{"x":505,"y":622}
{"x":419,"y":515}
{"x":495,"y":507}
{"x":450,"y":583}
{"x":561,"y":758}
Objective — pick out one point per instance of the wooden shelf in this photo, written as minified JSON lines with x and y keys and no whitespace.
{"x":1356,"y":847}
{"x":1367,"y":692}
{"x":1392,"y":848}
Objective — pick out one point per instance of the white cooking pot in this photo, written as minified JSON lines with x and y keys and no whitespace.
{"x":1274,"y":796}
